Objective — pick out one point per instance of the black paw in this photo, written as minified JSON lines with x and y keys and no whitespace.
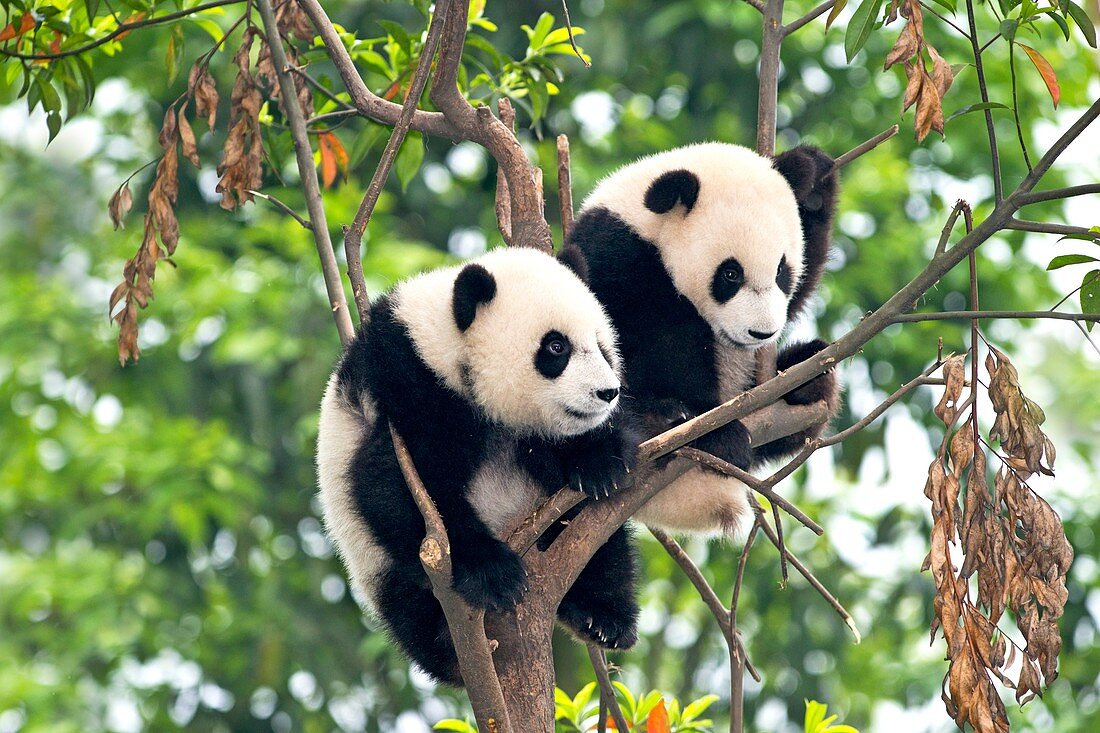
{"x":731,"y":443}
{"x":822,"y":387}
{"x":612,"y":626}
{"x":488,"y":574}
{"x":598,"y":473}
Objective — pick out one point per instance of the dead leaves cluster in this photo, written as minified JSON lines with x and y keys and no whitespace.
{"x":924,"y":89}
{"x":240,"y":170}
{"x":1012,"y":544}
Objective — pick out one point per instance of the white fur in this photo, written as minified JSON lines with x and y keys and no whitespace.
{"x":535,"y":294}
{"x":745,"y":209}
{"x":340,"y":432}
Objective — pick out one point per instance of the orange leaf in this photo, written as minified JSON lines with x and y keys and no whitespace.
{"x":657,"y":722}
{"x":1045,"y":70}
{"x":130,"y":21}
{"x":25,"y":24}
{"x":328,"y":159}
{"x":391,"y":91}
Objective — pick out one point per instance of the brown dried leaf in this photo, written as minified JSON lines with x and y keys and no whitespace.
{"x":915,"y":75}
{"x":201,"y":88}
{"x":168,"y":131}
{"x":120,"y":204}
{"x":954,"y":374}
{"x":905,"y":48}
{"x":929,"y":112}
{"x":942,"y":76}
{"x":187,"y":140}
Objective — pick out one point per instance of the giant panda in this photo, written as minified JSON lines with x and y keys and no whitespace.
{"x":701,"y":255}
{"x":503,"y":378}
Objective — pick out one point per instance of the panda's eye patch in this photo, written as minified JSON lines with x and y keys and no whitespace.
{"x":728,"y":279}
{"x":783,"y":277}
{"x":553,"y":354}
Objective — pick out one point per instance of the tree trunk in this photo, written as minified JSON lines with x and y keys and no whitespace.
{"x":525,"y":661}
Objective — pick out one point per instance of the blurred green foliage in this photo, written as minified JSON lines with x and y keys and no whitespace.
{"x":162,"y":562}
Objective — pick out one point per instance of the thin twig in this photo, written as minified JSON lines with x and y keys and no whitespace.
{"x":1049,"y":228}
{"x":706,"y":592}
{"x":945,"y":235}
{"x":1085,"y":281}
{"x":783,"y":574}
{"x":738,"y":661}
{"x":865,"y":147}
{"x":995,"y":155}
{"x":806,"y":573}
{"x":1016,"y":104}
{"x":607,"y":691}
{"x":573,"y":41}
{"x":565,"y":188}
{"x":353,"y":235}
{"x":120,"y":30}
{"x":809,"y":17}
{"x":308,"y":173}
{"x":282,"y":207}
{"x":758,"y":4}
{"x":1058,"y":193}
{"x":932,"y":10}
{"x":984,"y":315}
{"x":1088,"y":338}
{"x":717,"y":464}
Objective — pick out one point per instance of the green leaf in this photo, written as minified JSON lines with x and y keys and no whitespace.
{"x":948,"y":4}
{"x":815,"y":713}
{"x":459,"y":726}
{"x":175,"y":53}
{"x":974,"y":108}
{"x":1008,"y":28}
{"x":53,"y":122}
{"x":1083,"y":21}
{"x":536,"y":37}
{"x":860,"y":27}
{"x":1059,"y":20}
{"x":838,"y":6}
{"x":398,"y":33}
{"x":583,"y":697}
{"x":561,"y":35}
{"x":696,"y":708}
{"x":409,"y":159}
{"x":1066,"y":260}
{"x":51,"y":100}
{"x":1090,"y":295}
{"x":626,"y":701}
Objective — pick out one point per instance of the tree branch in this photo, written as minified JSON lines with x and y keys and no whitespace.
{"x":995,"y":155}
{"x":369,"y":104}
{"x":120,"y":30}
{"x":865,"y":147}
{"x":308,"y":172}
{"x":607,"y":692}
{"x":1059,"y":193}
{"x":985,"y":315}
{"x":503,"y":202}
{"x":466,"y":624}
{"x":565,"y":188}
{"x":767,"y":96}
{"x":809,"y":17}
{"x":1043,"y":227}
{"x":353,"y":235}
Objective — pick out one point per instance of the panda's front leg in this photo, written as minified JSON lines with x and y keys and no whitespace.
{"x":731,"y":442}
{"x":601,"y":608}
{"x":822,"y":388}
{"x":597,"y":463}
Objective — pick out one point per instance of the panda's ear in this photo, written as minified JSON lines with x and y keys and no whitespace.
{"x":473,"y":286}
{"x":572,"y":257}
{"x":670,"y":188}
{"x":804,"y":167}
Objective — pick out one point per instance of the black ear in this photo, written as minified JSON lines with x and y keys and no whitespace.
{"x":671,"y":187}
{"x":809,"y":171}
{"x":572,"y":257}
{"x":473,"y":286}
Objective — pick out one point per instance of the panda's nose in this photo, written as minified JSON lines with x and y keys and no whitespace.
{"x":761,"y":334}
{"x":608,"y":395}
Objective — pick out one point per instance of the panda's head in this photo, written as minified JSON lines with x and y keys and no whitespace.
{"x":537,"y":350}
{"x":726,"y":223}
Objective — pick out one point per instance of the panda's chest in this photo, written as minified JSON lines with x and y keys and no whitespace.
{"x":501,"y":491}
{"x":735,"y":369}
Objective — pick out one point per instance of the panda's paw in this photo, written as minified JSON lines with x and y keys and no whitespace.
{"x":487,"y":574}
{"x":822,"y":387}
{"x":731,"y":442}
{"x":609,"y":625}
{"x":598,"y":473}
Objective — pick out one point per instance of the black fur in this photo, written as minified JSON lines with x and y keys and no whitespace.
{"x":668,"y":349}
{"x":679,"y":186}
{"x":473,"y":286}
{"x":575,"y":260}
{"x":814,"y":182}
{"x":448,"y":438}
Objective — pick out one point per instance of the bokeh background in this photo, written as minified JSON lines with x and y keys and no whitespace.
{"x":162,"y":561}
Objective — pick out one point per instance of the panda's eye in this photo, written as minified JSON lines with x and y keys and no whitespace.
{"x":783,"y":276}
{"x":727,"y":280}
{"x":553,"y":354}
{"x":731,"y":275}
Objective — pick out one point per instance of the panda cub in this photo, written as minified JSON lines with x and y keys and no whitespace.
{"x":701,"y":255}
{"x":503,"y":378}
